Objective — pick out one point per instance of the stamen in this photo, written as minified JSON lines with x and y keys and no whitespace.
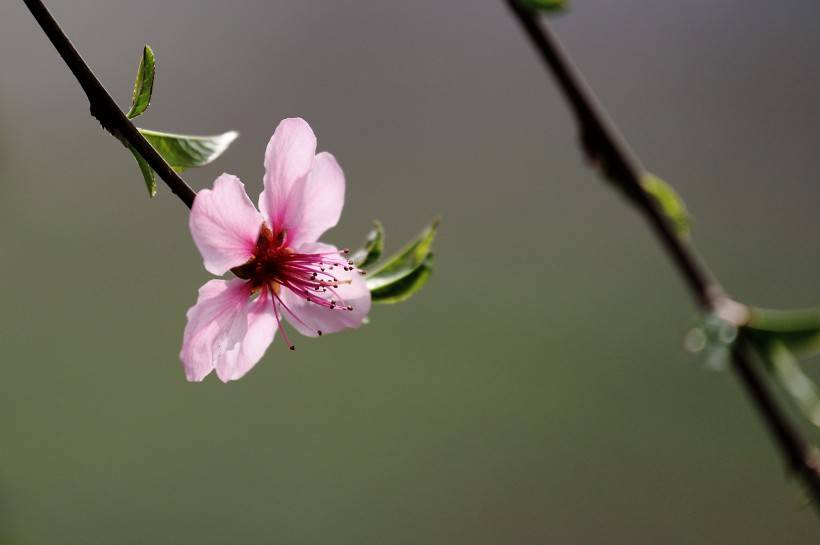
{"x":279,"y":322}
{"x":313,"y":276}
{"x":295,"y":317}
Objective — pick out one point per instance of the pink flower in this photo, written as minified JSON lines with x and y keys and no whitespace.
{"x":281,"y":269}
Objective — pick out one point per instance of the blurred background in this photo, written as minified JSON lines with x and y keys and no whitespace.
{"x":536,"y":391}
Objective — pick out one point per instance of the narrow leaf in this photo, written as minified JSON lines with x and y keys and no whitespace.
{"x":788,"y":373}
{"x":546,"y":5}
{"x":669,"y":201}
{"x":798,"y":330}
{"x":147,"y":172}
{"x":184,"y":151}
{"x":144,"y":84}
{"x":403,"y":288}
{"x":405,"y":261}
{"x":372,"y":249}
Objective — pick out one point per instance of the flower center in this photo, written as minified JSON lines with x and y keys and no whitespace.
{"x":315,"y":276}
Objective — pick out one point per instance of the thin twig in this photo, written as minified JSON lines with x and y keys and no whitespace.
{"x":607,"y":148}
{"x":103,"y":107}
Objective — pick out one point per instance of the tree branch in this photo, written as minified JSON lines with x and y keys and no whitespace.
{"x":606,"y":148}
{"x":602,"y":144}
{"x":103,"y":107}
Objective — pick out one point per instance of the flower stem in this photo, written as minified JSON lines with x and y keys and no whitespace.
{"x":607,"y":149}
{"x":103,"y":107}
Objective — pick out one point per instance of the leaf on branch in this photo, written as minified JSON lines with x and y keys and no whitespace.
{"x":786,"y":370}
{"x":549,"y":6}
{"x":669,"y":201}
{"x":403,"y":288}
{"x":144,"y":84}
{"x":372,"y":249}
{"x":182,"y":151}
{"x":798,"y":330}
{"x":147,"y":172}
{"x":179,"y":151}
{"x":403,"y":274}
{"x":783,"y":336}
{"x":185,"y":151}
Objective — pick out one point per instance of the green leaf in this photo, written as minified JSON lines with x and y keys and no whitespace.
{"x":670,"y":202}
{"x":787,"y":371}
{"x":403,"y":274}
{"x":546,"y":5}
{"x":147,"y":172}
{"x":185,"y":151}
{"x":798,"y":330}
{"x":181,"y":152}
{"x":405,"y":261}
{"x":144,"y":84}
{"x":403,"y":288}
{"x":373,"y":247}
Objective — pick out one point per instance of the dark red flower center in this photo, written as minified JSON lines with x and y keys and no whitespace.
{"x":314,"y":276}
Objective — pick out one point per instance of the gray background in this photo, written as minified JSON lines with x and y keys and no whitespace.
{"x":535,"y":392}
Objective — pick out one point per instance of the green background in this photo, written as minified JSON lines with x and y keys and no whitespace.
{"x":536,"y":391}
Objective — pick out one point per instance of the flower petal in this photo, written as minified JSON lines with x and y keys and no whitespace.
{"x":312,"y":318}
{"x":288,"y":159}
{"x":226,"y":331}
{"x":224,"y":225}
{"x":259,"y":329}
{"x":318,"y":200}
{"x":218,"y":303}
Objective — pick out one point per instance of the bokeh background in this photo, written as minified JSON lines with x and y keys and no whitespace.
{"x":536,"y":391}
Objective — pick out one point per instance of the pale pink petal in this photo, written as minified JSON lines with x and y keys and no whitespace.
{"x":218,"y":304}
{"x":312,"y":318}
{"x":288,"y":159}
{"x":318,"y":201}
{"x":226,"y":331}
{"x":224,"y":225}
{"x":259,"y":325}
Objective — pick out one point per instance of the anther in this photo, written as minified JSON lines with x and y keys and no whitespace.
{"x":292,"y":347}
{"x":319,"y":332}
